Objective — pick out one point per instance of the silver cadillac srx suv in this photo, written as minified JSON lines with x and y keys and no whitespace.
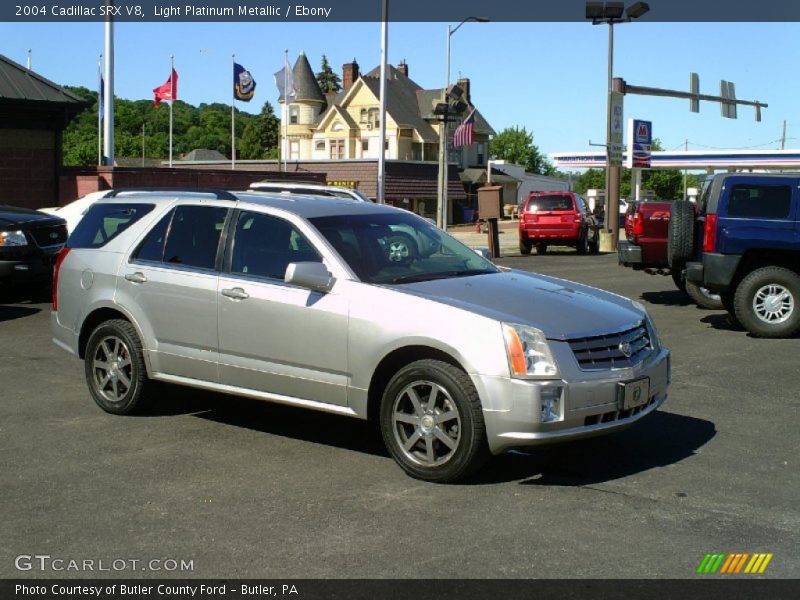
{"x":301,"y":300}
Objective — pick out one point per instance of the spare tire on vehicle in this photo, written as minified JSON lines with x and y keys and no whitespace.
{"x":680,"y":241}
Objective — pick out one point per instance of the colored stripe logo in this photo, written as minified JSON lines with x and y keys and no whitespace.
{"x":735,"y":563}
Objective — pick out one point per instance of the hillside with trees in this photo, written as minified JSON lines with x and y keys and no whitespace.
{"x":206,"y":126}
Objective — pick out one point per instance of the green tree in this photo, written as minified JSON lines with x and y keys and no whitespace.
{"x":260,"y":137}
{"x":516,"y":145}
{"x":327,"y":79}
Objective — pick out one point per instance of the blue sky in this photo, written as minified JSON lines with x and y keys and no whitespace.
{"x":548,"y":77}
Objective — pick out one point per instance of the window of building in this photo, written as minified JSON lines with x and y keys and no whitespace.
{"x":363,"y":118}
{"x":294,"y":115}
{"x":294,"y":150}
{"x":319,"y":146}
{"x":337,"y":149}
{"x":374,"y":117}
{"x":365,"y":145}
{"x":481,"y":149}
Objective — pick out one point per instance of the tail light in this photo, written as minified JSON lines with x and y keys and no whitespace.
{"x":637,"y":226}
{"x":710,"y":234}
{"x":531,"y":218}
{"x":59,"y":259}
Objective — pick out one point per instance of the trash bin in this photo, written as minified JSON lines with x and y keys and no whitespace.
{"x":469,"y":215}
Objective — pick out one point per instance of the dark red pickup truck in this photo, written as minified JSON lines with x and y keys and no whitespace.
{"x":646,"y":247}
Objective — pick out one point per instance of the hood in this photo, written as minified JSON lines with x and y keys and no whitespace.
{"x":11,"y":216}
{"x":561,"y":309}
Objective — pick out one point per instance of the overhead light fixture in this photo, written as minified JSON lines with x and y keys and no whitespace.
{"x":594,"y":10}
{"x":614,"y":10}
{"x":637,"y":9}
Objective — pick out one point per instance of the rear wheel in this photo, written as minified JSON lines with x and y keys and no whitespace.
{"x":541,"y":248}
{"x":767,"y":302}
{"x":115,"y":369}
{"x":525,"y":246}
{"x":680,"y":240}
{"x":679,"y":279}
{"x":703,"y":297}
{"x":432,"y":421}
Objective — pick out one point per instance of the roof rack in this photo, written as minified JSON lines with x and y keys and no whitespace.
{"x":219,"y":194}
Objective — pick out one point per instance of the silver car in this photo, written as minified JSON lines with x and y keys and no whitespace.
{"x":300,"y":300}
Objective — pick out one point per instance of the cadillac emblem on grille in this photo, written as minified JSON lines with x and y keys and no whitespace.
{"x":626,"y":349}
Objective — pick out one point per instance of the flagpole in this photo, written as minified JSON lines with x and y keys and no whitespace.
{"x":382,"y":127}
{"x":100,"y":109}
{"x":285,"y":149}
{"x":172,"y":101}
{"x":233,"y":118}
{"x":108,"y":91}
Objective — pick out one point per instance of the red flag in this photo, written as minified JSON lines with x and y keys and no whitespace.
{"x":465,"y":133}
{"x":168,"y":91}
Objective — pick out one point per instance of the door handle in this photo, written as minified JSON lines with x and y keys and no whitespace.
{"x":136,"y":277}
{"x":236,"y":293}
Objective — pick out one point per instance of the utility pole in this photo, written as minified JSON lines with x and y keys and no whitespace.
{"x":783,"y":136}
{"x":142,"y":144}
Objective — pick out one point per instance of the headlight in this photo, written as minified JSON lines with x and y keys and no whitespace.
{"x":13,"y":238}
{"x":528,"y":352}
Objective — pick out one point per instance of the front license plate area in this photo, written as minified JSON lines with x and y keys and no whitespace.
{"x":631,"y":394}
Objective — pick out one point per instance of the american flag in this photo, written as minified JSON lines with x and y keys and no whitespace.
{"x":465,"y":133}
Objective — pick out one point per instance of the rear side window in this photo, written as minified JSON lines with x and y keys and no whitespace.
{"x":152,"y":247}
{"x":103,"y":222}
{"x":760,"y":201}
{"x":548,"y":203}
{"x":194,"y":236}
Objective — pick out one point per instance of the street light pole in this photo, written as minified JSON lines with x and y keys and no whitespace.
{"x":609,"y":240}
{"x":441,"y":204}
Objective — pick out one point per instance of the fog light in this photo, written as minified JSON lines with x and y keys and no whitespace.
{"x":551,"y":403}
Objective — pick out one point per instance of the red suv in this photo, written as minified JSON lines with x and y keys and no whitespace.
{"x":558,"y":219}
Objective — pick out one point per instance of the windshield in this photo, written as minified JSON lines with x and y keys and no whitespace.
{"x":399,"y":248}
{"x":548,"y":203}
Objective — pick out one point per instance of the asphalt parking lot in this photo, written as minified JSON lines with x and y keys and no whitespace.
{"x":247,"y":489}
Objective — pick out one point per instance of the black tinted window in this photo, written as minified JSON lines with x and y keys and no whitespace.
{"x":547,"y":203}
{"x":263,"y":246}
{"x":103,"y":222}
{"x":760,"y":201}
{"x":194,"y":236}
{"x":152,"y":247}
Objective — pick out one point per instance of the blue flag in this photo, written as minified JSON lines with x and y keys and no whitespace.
{"x":244,"y":86}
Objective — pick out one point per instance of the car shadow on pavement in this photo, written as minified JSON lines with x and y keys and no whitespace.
{"x":274,"y":419}
{"x":9,"y":313}
{"x":660,"y":440}
{"x":668,"y":298}
{"x":722,"y":321}
{"x":26,"y":294}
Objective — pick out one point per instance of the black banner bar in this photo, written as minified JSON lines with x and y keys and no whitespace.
{"x":287,"y":11}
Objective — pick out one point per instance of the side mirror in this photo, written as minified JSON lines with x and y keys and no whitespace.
{"x":484,"y":252}
{"x":311,"y":275}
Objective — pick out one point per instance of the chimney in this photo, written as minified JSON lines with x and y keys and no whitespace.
{"x":403,"y":67}
{"x":463,"y":83}
{"x":349,"y":74}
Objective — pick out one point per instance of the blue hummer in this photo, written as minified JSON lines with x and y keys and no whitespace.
{"x":745,"y":245}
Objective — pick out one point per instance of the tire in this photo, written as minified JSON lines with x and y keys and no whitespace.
{"x":401,"y":248}
{"x":116,"y":342}
{"x":727,"y":303}
{"x":680,"y":240}
{"x":703,"y":297}
{"x":679,"y":279}
{"x":583,"y":244}
{"x":594,"y":245}
{"x":541,"y":248}
{"x":525,"y":246}
{"x":767,"y":302}
{"x":413,"y":433}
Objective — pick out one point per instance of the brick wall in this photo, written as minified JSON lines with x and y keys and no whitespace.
{"x":27,"y":167}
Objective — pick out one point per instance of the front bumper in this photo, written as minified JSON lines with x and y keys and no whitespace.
{"x":37,"y":267}
{"x":629,"y":254}
{"x":589,"y":406}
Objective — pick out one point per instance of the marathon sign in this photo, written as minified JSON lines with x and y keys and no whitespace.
{"x":640,"y":143}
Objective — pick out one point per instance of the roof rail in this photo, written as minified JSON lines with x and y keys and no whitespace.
{"x":219,"y":194}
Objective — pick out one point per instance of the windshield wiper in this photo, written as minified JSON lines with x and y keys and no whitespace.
{"x":441,"y":275}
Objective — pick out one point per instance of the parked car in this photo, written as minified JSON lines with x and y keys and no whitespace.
{"x":300,"y":302}
{"x":73,"y":212}
{"x":313,"y":189}
{"x":29,"y":243}
{"x":557,"y":218}
{"x":745,"y":245}
{"x":646,"y":247}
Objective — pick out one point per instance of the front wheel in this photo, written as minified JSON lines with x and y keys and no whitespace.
{"x":766,"y":302}
{"x":115,"y":369}
{"x":432,"y":422}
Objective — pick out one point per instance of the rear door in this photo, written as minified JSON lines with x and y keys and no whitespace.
{"x":274,"y":337}
{"x":757,"y":212}
{"x":170,"y":287}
